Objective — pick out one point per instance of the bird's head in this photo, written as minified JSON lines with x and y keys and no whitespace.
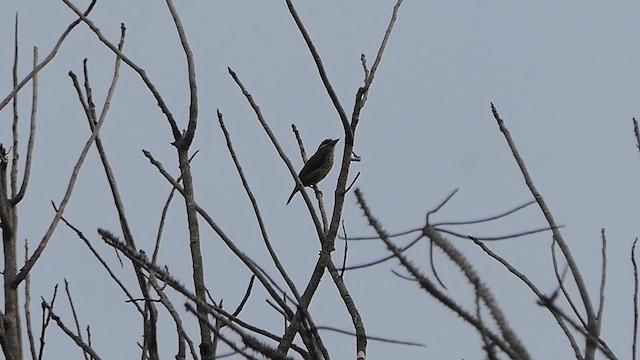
{"x":328,"y":144}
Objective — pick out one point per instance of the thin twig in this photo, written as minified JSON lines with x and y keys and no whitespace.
{"x":27,"y":306}
{"x":603,"y":279}
{"x":77,"y":339}
{"x":525,"y":280}
{"x":562,"y":287}
{"x":494,"y":238}
{"x":373,"y":338}
{"x":187,"y":138}
{"x":63,"y":204}
{"x":634,"y":343}
{"x":104,"y":264}
{"x":432,"y":264}
{"x":321,"y":70}
{"x":386,"y":258}
{"x":346,"y":250}
{"x":164,"y":300}
{"x":598,"y":342}
{"x":428,"y":285}
{"x":636,"y":131}
{"x":481,"y":289}
{"x":230,"y":244}
{"x":281,"y":153}
{"x":256,"y":210}
{"x":32,"y":135}
{"x":75,"y":315}
{"x":143,"y":75}
{"x":487,"y":219}
{"x":557,"y":236}
{"x":163,"y":216}
{"x":46,"y":320}
{"x":245,"y":298}
{"x":47,"y":59}
{"x":14,"y":125}
{"x":437,"y":208}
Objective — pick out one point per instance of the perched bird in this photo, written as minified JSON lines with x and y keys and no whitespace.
{"x":317,"y":167}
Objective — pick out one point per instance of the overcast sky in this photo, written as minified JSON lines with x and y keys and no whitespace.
{"x":563,"y":75}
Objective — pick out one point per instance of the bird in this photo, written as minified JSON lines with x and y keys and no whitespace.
{"x":317,"y":167}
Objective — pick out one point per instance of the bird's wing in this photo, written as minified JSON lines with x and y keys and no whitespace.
{"x":314,"y":162}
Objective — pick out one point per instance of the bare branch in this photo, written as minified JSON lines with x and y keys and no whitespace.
{"x":63,"y":204}
{"x":429,"y":286}
{"x":75,"y":315}
{"x":321,"y":70}
{"x":32,"y":135}
{"x":373,"y":338}
{"x":104,"y":264}
{"x":256,"y":210}
{"x":494,"y":238}
{"x":143,"y":75}
{"x":47,"y":59}
{"x":14,"y":125}
{"x":522,"y":277}
{"x":281,"y":153}
{"x":46,"y":320}
{"x":636,"y":131}
{"x":557,"y":236}
{"x":230,"y":244}
{"x":187,"y":139}
{"x":77,"y":339}
{"x":634,"y":343}
{"x":603,"y":279}
{"x":27,"y":306}
{"x":437,"y":208}
{"x":487,"y":219}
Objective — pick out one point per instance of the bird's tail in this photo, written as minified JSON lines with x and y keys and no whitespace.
{"x":295,"y":190}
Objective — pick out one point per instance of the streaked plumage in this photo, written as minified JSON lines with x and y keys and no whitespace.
{"x":317,"y":167}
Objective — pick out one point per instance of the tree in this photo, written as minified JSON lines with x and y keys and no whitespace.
{"x":155,"y":286}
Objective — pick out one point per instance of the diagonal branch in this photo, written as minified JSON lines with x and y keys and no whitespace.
{"x":143,"y":75}
{"x":47,"y":59}
{"x":557,"y":236}
{"x":321,"y":70}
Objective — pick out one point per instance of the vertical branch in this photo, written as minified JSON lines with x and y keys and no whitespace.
{"x":46,"y":320}
{"x":12,"y":333}
{"x":14,"y":126}
{"x":329,"y":235}
{"x":603,"y":279}
{"x":182,"y":144}
{"x":636,"y":131}
{"x":634,"y":344}
{"x":75,"y":315}
{"x":187,"y":138}
{"x":27,"y":306}
{"x":32,"y":134}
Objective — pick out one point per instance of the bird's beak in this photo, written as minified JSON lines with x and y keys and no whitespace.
{"x":335,"y":141}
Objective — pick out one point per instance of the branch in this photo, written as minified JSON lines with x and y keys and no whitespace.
{"x":46,"y":60}
{"x":557,"y":237}
{"x":143,"y":75}
{"x":70,"y":334}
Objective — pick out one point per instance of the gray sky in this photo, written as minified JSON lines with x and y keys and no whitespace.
{"x":563,"y":76}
